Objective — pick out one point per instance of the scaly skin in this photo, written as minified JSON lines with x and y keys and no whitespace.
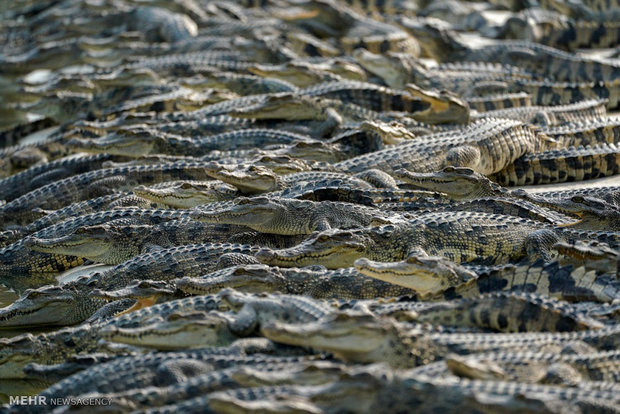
{"x":568,"y":282}
{"x":497,"y":311}
{"x":364,"y":339}
{"x":20,"y":266}
{"x":373,"y":389}
{"x":292,"y":217}
{"x":466,"y":184}
{"x":72,"y":303}
{"x":446,"y":45}
{"x":317,"y":283}
{"x":190,"y":329}
{"x":485,"y":146}
{"x":39,"y":175}
{"x":140,"y":142}
{"x":252,"y":179}
{"x":534,"y":367}
{"x":549,"y":92}
{"x":92,"y":183}
{"x":299,"y":372}
{"x":116,"y":242}
{"x":57,"y":346}
{"x":557,"y":166}
{"x":553,"y":115}
{"x":157,"y":368}
{"x":588,"y":132}
{"x":458,"y":236}
{"x":187,"y":194}
{"x":500,"y":101}
{"x":176,"y":332}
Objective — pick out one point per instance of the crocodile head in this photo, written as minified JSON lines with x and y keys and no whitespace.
{"x":131,"y":144}
{"x":315,"y":151}
{"x":276,"y":216}
{"x":332,"y":248}
{"x":435,"y":36}
{"x":250,"y":278}
{"x":283,"y":163}
{"x":594,"y":214}
{"x":427,"y":275}
{"x":445,"y":107}
{"x":177,"y":331}
{"x":249,"y":180}
{"x":287,"y":106}
{"x":48,"y":305}
{"x":16,"y":353}
{"x":466,"y":367}
{"x":458,"y":183}
{"x":387,"y":66}
{"x":187,"y":194}
{"x":104,"y":243}
{"x":390,"y":133}
{"x":299,"y":75}
{"x":354,"y":337}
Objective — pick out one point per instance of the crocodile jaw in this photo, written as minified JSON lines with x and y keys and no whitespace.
{"x":176,"y":198}
{"x":333,"y":257}
{"x":423,"y":279}
{"x":43,"y":314}
{"x":171,"y":335}
{"x":73,"y":245}
{"x":123,"y":146}
{"x":325,"y":336}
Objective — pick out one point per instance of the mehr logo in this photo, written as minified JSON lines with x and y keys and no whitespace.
{"x":27,"y":400}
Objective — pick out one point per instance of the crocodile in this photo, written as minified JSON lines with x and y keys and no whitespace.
{"x":590,"y":132}
{"x":235,"y":377}
{"x":93,"y":205}
{"x":187,"y":194}
{"x":362,"y":338}
{"x":165,"y":368}
{"x":446,"y":45}
{"x":20,"y":266}
{"x":497,"y":311}
{"x":56,"y":346}
{"x":250,"y":179}
{"x":375,"y":388}
{"x":552,"y":115}
{"x":92,"y":183}
{"x":316,"y":282}
{"x":572,"y":281}
{"x":115,"y":242}
{"x":458,"y":236}
{"x":293,"y":217}
{"x":72,"y":302}
{"x":486,"y":146}
{"x":550,"y":92}
{"x":559,"y":32}
{"x":137,"y":142}
{"x":18,"y":184}
{"x":534,"y":367}
{"x":465,"y":184}
{"x":191,"y":330}
{"x":557,"y":166}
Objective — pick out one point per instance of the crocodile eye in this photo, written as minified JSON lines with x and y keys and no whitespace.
{"x":449,"y":169}
{"x":413,"y":260}
{"x":465,"y":171}
{"x":186,"y":186}
{"x":578,"y":199}
{"x":323,"y":238}
{"x":242,"y":200}
{"x":33,"y":294}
